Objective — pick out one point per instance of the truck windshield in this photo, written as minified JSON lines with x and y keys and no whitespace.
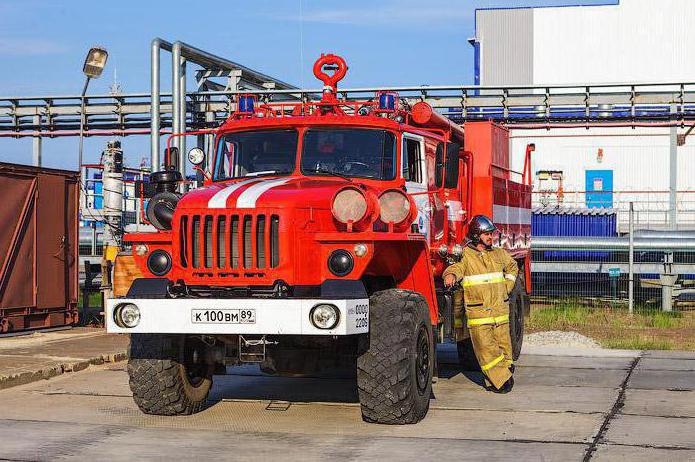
{"x":266,"y":152}
{"x":363,"y":153}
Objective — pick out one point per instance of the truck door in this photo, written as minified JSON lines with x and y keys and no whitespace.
{"x":413,"y":170}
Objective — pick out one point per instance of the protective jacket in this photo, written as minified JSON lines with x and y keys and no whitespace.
{"x":487,"y":278}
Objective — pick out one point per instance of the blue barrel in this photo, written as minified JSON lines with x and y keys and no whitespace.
{"x":566,"y":221}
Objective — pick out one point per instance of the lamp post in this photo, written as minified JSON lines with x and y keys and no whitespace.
{"x":93,"y":66}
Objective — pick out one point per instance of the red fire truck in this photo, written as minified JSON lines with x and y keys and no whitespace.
{"x":316,"y":242}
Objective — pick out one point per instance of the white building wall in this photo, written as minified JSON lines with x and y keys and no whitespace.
{"x":635,"y":41}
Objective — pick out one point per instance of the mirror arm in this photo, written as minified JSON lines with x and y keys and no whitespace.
{"x":203,"y":172}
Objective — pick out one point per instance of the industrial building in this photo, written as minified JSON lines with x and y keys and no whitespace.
{"x":630,"y":41}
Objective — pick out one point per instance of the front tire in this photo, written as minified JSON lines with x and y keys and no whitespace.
{"x":394,"y":376}
{"x":166,"y":375}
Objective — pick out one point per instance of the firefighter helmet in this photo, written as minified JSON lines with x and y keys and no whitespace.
{"x":480,"y":224}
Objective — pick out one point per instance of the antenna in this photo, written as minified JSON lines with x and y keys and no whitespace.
{"x":115,"y":86}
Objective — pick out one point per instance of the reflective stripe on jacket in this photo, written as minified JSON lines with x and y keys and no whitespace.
{"x":487,"y":278}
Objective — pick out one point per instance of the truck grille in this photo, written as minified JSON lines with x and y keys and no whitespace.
{"x":236,"y":242}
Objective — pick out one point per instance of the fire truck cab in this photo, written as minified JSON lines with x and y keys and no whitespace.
{"x":317,"y":242}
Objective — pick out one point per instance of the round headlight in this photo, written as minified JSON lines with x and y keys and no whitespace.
{"x":324,"y":316}
{"x":159,"y":262}
{"x":361,"y":250}
{"x":141,"y":249}
{"x":127,"y":315}
{"x":196,"y":156}
{"x":349,"y":205}
{"x":340,"y":262}
{"x":394,"y":206}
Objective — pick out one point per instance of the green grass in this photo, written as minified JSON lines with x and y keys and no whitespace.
{"x":614,"y":327}
{"x":636,"y":343}
{"x":94,"y":300}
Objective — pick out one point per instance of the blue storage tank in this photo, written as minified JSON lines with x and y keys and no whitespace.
{"x":564,"y":221}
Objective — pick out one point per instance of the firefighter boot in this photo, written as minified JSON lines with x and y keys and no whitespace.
{"x":506,"y":387}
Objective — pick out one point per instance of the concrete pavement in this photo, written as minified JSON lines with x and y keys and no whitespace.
{"x":605,"y":405}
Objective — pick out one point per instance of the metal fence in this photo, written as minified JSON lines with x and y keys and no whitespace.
{"x":596,"y":271}
{"x":652,"y":209}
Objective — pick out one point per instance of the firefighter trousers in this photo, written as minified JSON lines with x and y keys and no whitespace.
{"x":492,"y":343}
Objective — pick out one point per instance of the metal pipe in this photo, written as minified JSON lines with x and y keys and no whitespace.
{"x":82,"y":122}
{"x":175,"y":92}
{"x":182,"y":118}
{"x":631,"y":270}
{"x":673,"y":176}
{"x":155,"y":100}
{"x":611,"y":243}
{"x":36,"y":143}
{"x":653,"y":233}
{"x":51,"y":134}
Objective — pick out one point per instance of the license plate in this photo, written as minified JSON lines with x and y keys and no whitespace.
{"x":245,"y":316}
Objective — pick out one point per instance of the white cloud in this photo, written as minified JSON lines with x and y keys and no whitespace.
{"x":15,"y":46}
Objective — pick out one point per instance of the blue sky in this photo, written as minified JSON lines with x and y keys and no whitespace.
{"x":388,"y":42}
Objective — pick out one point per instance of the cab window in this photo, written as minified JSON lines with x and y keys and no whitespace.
{"x":353,"y":152}
{"x":266,"y":152}
{"x":412,"y":160}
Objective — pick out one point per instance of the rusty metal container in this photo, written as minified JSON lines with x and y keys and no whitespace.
{"x":38,"y":247}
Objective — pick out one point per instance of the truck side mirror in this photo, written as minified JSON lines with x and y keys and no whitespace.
{"x":196,"y":156}
{"x":451,"y":173}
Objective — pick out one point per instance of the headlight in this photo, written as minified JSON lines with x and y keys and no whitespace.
{"x":324,"y":316}
{"x":349,"y":205}
{"x":126,"y":315}
{"x":340,"y":262}
{"x":395,"y":206}
{"x":159,"y":262}
{"x":141,"y":249}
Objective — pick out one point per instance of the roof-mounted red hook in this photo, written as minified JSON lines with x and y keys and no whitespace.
{"x":330,"y":82}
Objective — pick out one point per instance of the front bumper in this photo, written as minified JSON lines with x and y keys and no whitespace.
{"x":277,"y":316}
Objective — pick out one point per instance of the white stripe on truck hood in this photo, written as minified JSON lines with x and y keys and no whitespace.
{"x":219,"y":200}
{"x":247,"y":199}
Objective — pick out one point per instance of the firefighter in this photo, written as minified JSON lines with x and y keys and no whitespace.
{"x":487,"y":275}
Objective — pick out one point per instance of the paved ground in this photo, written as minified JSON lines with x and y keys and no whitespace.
{"x":611,"y":405}
{"x":43,"y":355}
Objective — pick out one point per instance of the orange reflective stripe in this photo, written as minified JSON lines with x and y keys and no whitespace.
{"x":492,"y":363}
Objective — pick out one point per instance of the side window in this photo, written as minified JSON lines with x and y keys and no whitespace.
{"x":439,"y":165}
{"x":412,"y":160}
{"x":451,"y":180}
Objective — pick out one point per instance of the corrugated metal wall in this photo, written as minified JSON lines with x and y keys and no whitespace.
{"x":506,"y":46}
{"x":38,"y":248}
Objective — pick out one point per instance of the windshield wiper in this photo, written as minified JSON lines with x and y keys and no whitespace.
{"x":266,"y":173}
{"x":325,"y":171}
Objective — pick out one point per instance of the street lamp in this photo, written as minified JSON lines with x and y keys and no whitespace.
{"x":93,"y":66}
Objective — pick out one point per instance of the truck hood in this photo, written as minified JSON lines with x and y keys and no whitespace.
{"x":274,"y":192}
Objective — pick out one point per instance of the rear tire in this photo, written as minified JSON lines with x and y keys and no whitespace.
{"x":165,"y":377}
{"x":394,"y":376}
{"x":519,"y":303}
